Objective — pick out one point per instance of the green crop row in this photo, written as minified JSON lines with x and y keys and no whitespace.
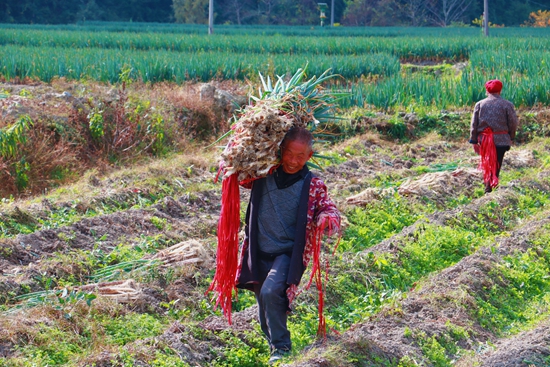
{"x":262,"y":29}
{"x":525,"y":74}
{"x":526,"y":78}
{"x":46,"y":63}
{"x":405,"y":47}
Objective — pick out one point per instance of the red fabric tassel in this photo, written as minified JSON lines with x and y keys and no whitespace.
{"x":224,"y":282}
{"x":330,"y":226}
{"x":488,"y":163}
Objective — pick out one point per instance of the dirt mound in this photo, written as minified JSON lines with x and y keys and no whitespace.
{"x":240,"y":321}
{"x":108,"y":230}
{"x":520,"y":158}
{"x":502,"y":197}
{"x":173,"y":219}
{"x":530,"y":348}
{"x":197,"y":345}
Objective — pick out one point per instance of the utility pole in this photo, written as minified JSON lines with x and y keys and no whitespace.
{"x":211,"y":17}
{"x":332,"y":14}
{"x":486,"y":18}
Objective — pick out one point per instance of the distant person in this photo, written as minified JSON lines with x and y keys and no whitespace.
{"x":286,"y":212}
{"x":493,"y":128}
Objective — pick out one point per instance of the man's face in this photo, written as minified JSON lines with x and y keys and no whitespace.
{"x":295,"y":154}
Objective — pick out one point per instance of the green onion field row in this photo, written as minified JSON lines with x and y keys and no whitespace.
{"x":270,"y":30}
{"x":404,"y":47}
{"x":46,"y":63}
{"x":526,"y":77}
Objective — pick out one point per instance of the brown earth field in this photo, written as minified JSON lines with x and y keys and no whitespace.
{"x":109,"y":266}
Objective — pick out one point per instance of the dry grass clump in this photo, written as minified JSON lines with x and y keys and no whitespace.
{"x":42,"y":325}
{"x":440,"y":183}
{"x":25,"y":326}
{"x":520,"y":158}
{"x":434,"y":184}
{"x":370,"y":194}
{"x":187,"y":252}
{"x":123,"y":291}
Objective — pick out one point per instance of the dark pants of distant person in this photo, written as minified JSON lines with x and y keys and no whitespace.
{"x":500,"y":158}
{"x":272,"y":300}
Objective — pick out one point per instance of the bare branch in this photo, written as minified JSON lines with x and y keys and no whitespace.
{"x":444,"y":12}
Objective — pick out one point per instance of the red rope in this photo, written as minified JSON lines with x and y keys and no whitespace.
{"x":228,"y":245}
{"x":488,"y":163}
{"x":330,"y":226}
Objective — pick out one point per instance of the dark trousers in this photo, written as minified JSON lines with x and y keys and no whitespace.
{"x":273,"y":302}
{"x":500,"y":158}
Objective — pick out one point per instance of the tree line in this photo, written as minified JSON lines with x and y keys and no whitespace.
{"x":272,"y":12}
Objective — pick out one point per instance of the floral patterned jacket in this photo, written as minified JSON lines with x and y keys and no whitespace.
{"x":315,"y":210}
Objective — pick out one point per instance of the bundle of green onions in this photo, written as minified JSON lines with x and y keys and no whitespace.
{"x":260,"y":128}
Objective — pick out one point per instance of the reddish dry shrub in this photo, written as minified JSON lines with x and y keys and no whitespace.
{"x":52,"y":160}
{"x":140,"y":120}
{"x":128,"y":127}
{"x":120,"y":132}
{"x":8,"y":182}
{"x":45,"y":160}
{"x":195,"y":119}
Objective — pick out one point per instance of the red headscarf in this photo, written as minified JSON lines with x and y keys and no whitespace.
{"x":493,"y":86}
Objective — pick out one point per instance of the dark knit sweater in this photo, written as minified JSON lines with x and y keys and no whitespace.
{"x":249,"y":271}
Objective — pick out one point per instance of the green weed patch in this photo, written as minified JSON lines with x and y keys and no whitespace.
{"x":131,"y":327}
{"x":378,"y":221}
{"x":519,"y":295}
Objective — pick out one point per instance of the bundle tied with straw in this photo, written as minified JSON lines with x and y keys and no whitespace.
{"x":253,"y":152}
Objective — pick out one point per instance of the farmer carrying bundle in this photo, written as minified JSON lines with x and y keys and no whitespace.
{"x":493,"y":127}
{"x":289,"y":209}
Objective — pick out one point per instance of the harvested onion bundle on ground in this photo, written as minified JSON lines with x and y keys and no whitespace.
{"x":253,"y":151}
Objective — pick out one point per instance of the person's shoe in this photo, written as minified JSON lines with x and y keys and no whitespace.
{"x":277,"y":355}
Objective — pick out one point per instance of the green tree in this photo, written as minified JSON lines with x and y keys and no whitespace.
{"x":512,"y":13}
{"x":415,"y":12}
{"x":38,"y":11}
{"x":191,"y":11}
{"x":296,"y":12}
{"x":237,"y":11}
{"x":89,"y":10}
{"x":373,"y":13}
